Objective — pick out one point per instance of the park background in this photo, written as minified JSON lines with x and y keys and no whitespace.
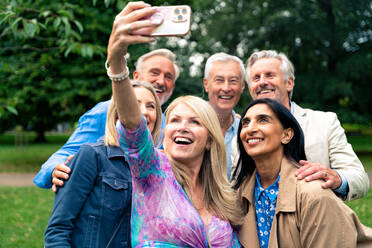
{"x":52,"y":55}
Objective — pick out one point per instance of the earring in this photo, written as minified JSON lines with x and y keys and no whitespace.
{"x":285,"y":141}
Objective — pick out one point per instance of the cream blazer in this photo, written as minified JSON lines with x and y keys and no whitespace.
{"x":305,"y":216}
{"x":326,"y":143}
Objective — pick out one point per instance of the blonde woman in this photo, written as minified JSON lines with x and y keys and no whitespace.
{"x":181,"y":196}
{"x":93,"y":208}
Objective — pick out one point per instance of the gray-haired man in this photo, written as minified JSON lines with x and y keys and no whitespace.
{"x":224,"y":83}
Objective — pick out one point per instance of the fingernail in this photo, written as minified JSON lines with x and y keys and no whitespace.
{"x":152,"y":39}
{"x":156,"y":19}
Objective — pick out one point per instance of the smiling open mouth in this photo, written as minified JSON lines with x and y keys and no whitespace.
{"x":256,"y":140}
{"x":182,"y":141}
{"x":265,"y":91}
{"x":159,"y":90}
{"x":225,"y":97}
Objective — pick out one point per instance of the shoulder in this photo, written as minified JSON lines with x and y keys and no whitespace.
{"x":91,"y":150}
{"x":313,"y":112}
{"x":99,"y":108}
{"x":313,"y":193}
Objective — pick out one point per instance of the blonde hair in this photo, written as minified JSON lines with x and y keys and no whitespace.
{"x":219,"y":197}
{"x":111,"y":136}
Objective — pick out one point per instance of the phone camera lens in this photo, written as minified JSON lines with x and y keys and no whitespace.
{"x":184,"y":11}
{"x":177,"y":11}
{"x":179,"y":17}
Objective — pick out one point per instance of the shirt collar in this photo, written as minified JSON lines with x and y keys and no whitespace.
{"x":114,"y":151}
{"x":271,"y":191}
{"x":291,"y":105}
{"x":235,"y":125}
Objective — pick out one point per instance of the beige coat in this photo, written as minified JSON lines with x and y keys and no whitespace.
{"x":306,"y":216}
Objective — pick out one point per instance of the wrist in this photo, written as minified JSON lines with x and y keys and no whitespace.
{"x":117,"y":75}
{"x":117,"y":64}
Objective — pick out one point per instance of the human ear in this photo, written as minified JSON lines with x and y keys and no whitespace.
{"x":205,"y":83}
{"x":287,"y":135}
{"x":135,"y":75}
{"x":290,"y":84}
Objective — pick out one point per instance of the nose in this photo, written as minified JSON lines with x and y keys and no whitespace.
{"x":251,"y":128}
{"x":226,"y":86}
{"x":262,"y":79}
{"x":182,"y":126}
{"x":160,"y":79}
{"x":144,"y":110}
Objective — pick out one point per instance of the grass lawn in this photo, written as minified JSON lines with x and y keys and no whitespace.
{"x":28,"y":157}
{"x":361,"y":143}
{"x":24,"y":214}
{"x":366,"y":160}
{"x":363,"y":208}
{"x":25,"y":159}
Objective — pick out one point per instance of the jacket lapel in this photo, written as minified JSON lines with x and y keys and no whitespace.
{"x":248,"y":231}
{"x":300,"y":115}
{"x":286,"y":201}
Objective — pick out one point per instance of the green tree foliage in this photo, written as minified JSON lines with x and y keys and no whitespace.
{"x":329,"y":42}
{"x":52,"y":59}
{"x":53,"y":51}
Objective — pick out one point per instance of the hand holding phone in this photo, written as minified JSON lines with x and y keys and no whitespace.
{"x":176,"y":20}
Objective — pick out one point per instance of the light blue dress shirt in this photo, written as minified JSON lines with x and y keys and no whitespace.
{"x":230,"y":134}
{"x":90,"y":128}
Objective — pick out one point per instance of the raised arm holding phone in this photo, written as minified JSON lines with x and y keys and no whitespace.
{"x":190,"y":172}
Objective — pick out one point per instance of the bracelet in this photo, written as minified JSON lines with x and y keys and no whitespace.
{"x":117,"y":77}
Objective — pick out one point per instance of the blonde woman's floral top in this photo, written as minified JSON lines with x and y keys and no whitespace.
{"x":162,"y":214}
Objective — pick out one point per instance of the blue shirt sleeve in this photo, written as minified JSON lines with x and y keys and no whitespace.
{"x":90,"y":128}
{"x":343,"y":189}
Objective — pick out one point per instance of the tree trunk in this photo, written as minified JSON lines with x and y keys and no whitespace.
{"x":40,"y":137}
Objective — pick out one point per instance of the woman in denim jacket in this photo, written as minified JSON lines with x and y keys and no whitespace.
{"x":93,"y":208}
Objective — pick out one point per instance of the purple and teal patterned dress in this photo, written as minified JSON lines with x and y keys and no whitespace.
{"x":162,"y":214}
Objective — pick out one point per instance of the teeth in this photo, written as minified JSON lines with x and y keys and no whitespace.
{"x":226,"y":97}
{"x":265,"y":91}
{"x":159,"y":90}
{"x":254,"y":140}
{"x":181,"y":140}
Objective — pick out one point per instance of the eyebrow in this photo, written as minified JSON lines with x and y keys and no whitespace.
{"x":265,"y":115}
{"x":259,"y":116}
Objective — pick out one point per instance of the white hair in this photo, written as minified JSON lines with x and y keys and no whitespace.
{"x":223,"y":57}
{"x":161,"y":52}
{"x":286,"y":65}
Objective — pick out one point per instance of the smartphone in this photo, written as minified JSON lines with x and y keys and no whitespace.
{"x":176,"y":20}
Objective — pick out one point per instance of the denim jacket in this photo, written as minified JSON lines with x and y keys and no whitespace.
{"x":91,"y":128}
{"x":91,"y":204}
